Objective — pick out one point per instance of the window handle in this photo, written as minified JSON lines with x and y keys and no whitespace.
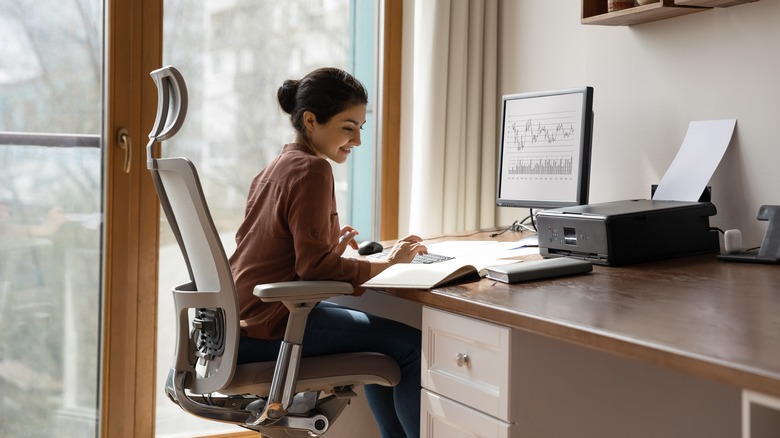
{"x":123,"y":139}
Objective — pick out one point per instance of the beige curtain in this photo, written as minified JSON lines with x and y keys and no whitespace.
{"x":454,"y":134}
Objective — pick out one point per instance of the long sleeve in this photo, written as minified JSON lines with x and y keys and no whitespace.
{"x":289,"y":233}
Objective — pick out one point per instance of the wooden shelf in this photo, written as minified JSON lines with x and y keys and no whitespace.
{"x":713,"y":3}
{"x":595,"y":12}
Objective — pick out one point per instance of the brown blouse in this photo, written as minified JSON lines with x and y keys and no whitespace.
{"x":290,"y":231}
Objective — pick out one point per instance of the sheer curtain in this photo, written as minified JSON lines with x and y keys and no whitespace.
{"x":454,"y":104}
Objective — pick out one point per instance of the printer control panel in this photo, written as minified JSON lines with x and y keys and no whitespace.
{"x":578,"y":238}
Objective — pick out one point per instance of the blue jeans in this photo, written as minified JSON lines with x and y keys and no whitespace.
{"x":332,"y":329}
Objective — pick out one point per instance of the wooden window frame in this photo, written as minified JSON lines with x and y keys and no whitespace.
{"x":133,"y":48}
{"x":391,"y":118}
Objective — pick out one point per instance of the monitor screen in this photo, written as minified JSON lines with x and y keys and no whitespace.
{"x":544,"y":148}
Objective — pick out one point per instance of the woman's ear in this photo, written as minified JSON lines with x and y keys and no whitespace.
{"x":309,"y":120}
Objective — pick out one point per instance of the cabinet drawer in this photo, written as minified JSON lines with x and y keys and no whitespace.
{"x":467,"y":360}
{"x":444,"y":418}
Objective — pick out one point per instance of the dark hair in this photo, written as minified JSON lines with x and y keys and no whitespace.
{"x":325,"y":92}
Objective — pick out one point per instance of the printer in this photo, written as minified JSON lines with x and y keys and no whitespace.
{"x":625,"y":232}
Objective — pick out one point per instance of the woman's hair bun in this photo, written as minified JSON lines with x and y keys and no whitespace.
{"x":287,"y":95}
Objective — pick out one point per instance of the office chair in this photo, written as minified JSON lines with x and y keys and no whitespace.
{"x":291,"y":397}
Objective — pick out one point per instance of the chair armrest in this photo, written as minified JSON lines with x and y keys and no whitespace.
{"x":302,"y":291}
{"x":299,"y":297}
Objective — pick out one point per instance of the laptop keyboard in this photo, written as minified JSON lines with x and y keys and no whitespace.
{"x":419,"y":258}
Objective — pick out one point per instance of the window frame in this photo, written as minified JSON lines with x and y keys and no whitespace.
{"x":133,"y":48}
{"x":390,"y":115}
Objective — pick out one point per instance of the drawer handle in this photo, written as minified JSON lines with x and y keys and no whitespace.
{"x":462,"y":359}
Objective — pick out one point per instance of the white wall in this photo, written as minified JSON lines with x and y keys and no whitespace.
{"x":650,"y":81}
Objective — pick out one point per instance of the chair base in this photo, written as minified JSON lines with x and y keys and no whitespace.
{"x":308,"y":416}
{"x":312,"y":423}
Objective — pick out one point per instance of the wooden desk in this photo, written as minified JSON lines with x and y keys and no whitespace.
{"x":713,"y":320}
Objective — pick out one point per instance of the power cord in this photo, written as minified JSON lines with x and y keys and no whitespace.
{"x":738,"y":249}
{"x":514,"y":227}
{"x":519,"y":225}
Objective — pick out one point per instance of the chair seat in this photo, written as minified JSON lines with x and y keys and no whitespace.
{"x":319,"y":373}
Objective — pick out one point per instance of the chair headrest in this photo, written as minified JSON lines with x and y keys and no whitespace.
{"x":171,"y":103}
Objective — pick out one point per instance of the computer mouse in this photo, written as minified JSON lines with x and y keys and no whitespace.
{"x":369,"y":247}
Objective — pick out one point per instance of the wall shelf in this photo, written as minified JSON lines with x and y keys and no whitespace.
{"x":713,"y":3}
{"x":595,"y":11}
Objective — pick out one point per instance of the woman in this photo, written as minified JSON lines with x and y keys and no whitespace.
{"x":291,"y":232}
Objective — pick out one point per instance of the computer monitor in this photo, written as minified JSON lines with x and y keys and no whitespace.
{"x":544,"y":148}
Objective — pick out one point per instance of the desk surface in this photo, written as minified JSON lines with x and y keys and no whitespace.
{"x":715,"y":320}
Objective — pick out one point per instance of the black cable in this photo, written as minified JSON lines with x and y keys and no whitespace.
{"x":518,"y":225}
{"x":513,"y":227}
{"x":755,"y":248}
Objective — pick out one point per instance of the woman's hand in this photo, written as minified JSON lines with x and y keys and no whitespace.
{"x":402,"y":252}
{"x":406,"y":249}
{"x":347,"y":237}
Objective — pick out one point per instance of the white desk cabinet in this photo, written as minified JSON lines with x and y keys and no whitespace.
{"x":486,"y":380}
{"x":760,"y":415}
{"x":467,"y":377}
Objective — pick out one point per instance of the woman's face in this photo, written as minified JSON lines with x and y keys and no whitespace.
{"x":336,"y":138}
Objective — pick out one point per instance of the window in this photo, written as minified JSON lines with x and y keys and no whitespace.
{"x":234,"y":56}
{"x":51,"y":111}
